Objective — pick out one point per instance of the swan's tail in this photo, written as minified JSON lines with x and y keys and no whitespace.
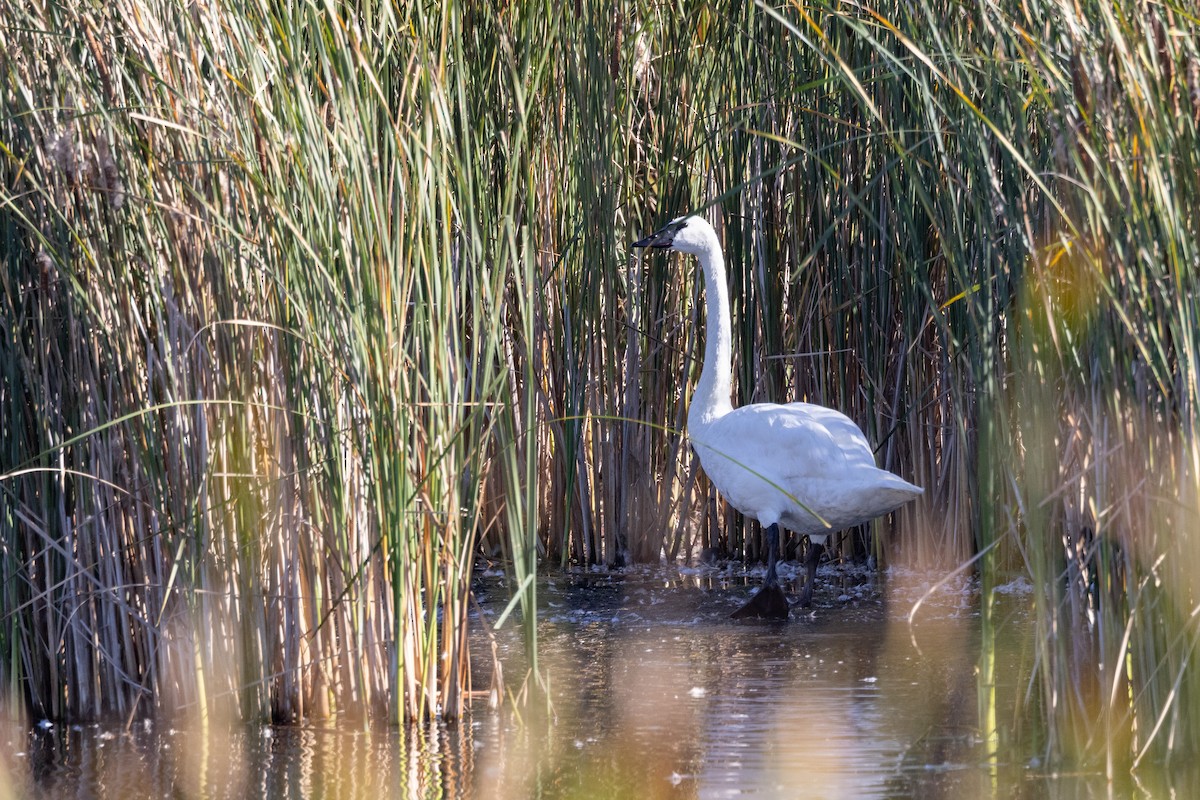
{"x":892,"y":491}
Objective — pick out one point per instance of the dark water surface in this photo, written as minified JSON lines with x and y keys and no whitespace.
{"x":654,"y":692}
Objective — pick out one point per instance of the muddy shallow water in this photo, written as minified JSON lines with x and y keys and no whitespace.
{"x":654,"y":692}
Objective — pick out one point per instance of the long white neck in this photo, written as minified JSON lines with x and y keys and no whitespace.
{"x":711,"y":401}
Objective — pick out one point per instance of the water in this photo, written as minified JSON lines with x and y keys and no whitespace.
{"x":654,"y":692}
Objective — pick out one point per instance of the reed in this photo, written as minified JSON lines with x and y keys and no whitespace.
{"x":255,"y":357}
{"x":1047,"y":160}
{"x":306,"y":308}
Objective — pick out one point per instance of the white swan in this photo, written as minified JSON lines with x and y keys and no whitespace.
{"x":802,"y":466}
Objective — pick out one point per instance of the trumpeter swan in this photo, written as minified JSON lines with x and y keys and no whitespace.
{"x":802,"y":466}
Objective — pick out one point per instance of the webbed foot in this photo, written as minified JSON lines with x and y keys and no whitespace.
{"x":769,"y":603}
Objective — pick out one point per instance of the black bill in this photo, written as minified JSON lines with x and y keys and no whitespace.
{"x":663,"y":237}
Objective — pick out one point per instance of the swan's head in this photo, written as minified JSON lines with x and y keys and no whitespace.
{"x":686,"y":234}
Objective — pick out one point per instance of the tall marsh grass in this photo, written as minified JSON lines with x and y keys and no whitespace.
{"x":307,"y":306}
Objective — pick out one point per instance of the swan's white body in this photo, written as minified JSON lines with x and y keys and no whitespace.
{"x":763,"y":458}
{"x":775,"y":463}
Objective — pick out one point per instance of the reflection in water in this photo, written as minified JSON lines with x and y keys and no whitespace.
{"x":654,"y":693}
{"x":274,"y":762}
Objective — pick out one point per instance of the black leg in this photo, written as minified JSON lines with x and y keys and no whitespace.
{"x":772,"y":578}
{"x":769,"y":602}
{"x":812,"y":558}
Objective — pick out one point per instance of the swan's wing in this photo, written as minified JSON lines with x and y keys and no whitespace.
{"x":793,"y":440}
{"x":844,"y":433}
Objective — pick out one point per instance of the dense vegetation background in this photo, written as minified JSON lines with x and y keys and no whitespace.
{"x":305,"y":305}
